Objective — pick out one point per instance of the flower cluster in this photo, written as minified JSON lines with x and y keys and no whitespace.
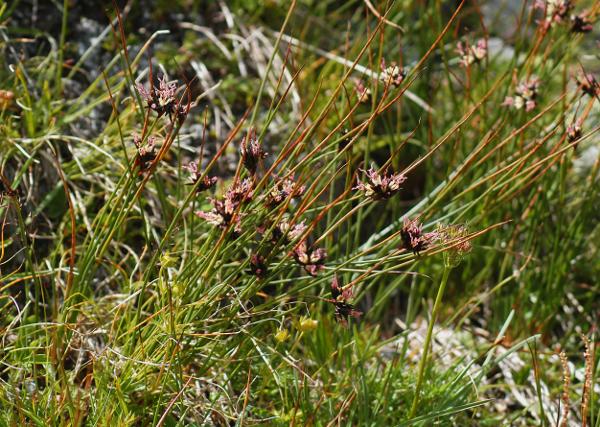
{"x":252,"y":152}
{"x":311,"y":259}
{"x":588,"y":84}
{"x":162,"y":99}
{"x":363,"y":92}
{"x":555,"y":11}
{"x":380,"y":186}
{"x":413,"y":238}
{"x":282,"y":190}
{"x":341,"y":300}
{"x":581,"y":23}
{"x":285,"y":232}
{"x":146,"y":154}
{"x":574,"y":131}
{"x":526,"y":95}
{"x":457,"y":237}
{"x":225,"y":212}
{"x":470,"y":54}
{"x":204,"y":183}
{"x":393,"y":75}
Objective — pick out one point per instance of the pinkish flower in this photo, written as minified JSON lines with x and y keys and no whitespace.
{"x":162,"y":99}
{"x":222,"y":216}
{"x":145,"y":153}
{"x":363,"y":92}
{"x":380,"y":186}
{"x":239,"y":192}
{"x":206,"y":181}
{"x":525,"y":96}
{"x":225,"y":213}
{"x":282,"y":190}
{"x":285,"y":232}
{"x":392,"y":75}
{"x":413,"y":238}
{"x":555,"y":11}
{"x":312,"y":260}
{"x":470,"y":54}
{"x":252,"y":152}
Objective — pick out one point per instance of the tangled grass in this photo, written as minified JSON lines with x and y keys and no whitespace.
{"x":358,"y":213}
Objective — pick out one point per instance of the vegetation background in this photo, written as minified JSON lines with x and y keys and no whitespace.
{"x":351,"y":212}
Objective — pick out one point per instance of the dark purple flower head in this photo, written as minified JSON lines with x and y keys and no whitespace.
{"x":146,"y":153}
{"x":258,"y":266}
{"x":392,"y":75}
{"x":413,"y":238}
{"x":6,"y":188}
{"x":310,"y":258}
{"x":581,"y":23}
{"x":380,"y":186}
{"x":341,"y":300}
{"x":470,"y":54}
{"x":206,"y":181}
{"x":574,"y":131}
{"x":252,"y":152}
{"x":588,"y":84}
{"x":345,"y":139}
{"x":283,"y":189}
{"x":525,"y":96}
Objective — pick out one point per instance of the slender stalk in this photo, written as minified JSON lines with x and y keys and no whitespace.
{"x":423,"y":361}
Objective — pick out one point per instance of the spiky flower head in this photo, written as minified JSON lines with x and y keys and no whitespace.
{"x":204,"y":183}
{"x":161,"y":99}
{"x":146,"y":153}
{"x":239,"y":192}
{"x":283,"y":189}
{"x":252,"y":152}
{"x":379,"y":186}
{"x":222,"y":216}
{"x":225,"y":213}
{"x":413,"y":238}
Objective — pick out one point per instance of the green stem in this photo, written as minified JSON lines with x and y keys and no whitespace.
{"x":61,"y":48}
{"x":423,"y":361}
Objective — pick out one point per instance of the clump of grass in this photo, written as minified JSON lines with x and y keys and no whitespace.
{"x":241,"y":247}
